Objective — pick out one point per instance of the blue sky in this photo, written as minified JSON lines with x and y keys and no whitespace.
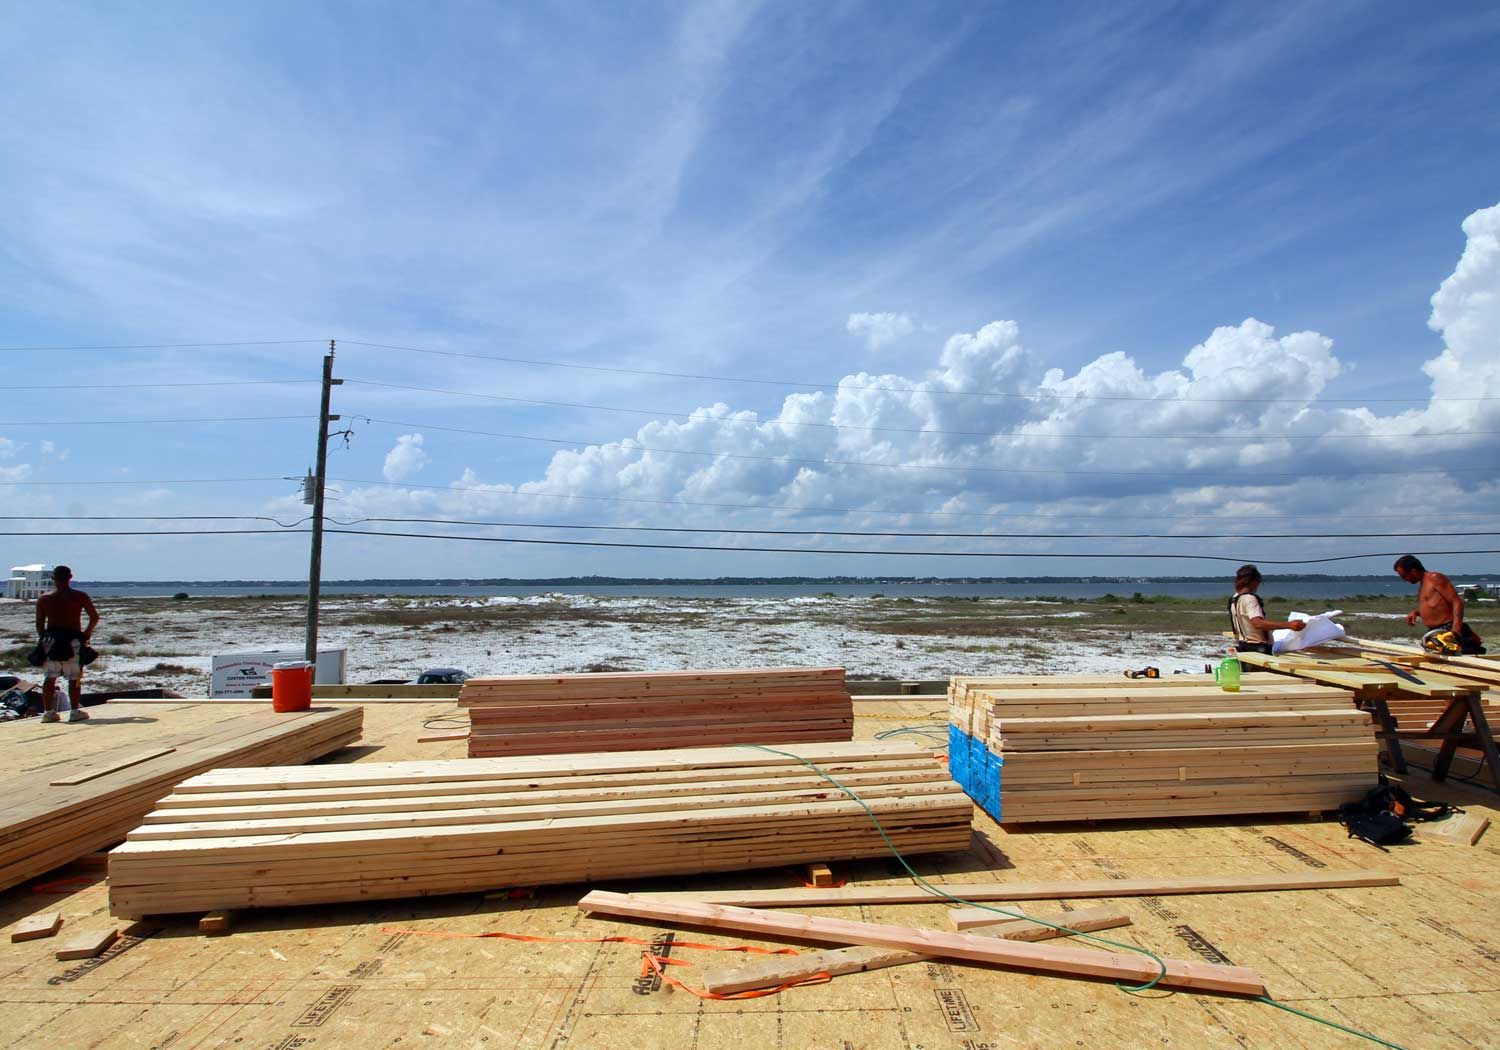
{"x":1212,"y":255}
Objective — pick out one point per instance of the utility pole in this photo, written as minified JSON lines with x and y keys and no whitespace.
{"x":315,"y":570}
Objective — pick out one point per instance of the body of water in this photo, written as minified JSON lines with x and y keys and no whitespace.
{"x":1331,"y":587}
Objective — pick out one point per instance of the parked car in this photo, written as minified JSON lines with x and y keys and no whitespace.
{"x":442,"y":676}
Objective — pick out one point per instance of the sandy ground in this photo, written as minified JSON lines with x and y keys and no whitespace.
{"x":151,"y":642}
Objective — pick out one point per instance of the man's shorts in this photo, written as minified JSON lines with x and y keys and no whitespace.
{"x":70,"y":668}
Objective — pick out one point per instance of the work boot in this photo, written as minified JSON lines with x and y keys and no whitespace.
{"x":78,"y":714}
{"x":49,"y":716}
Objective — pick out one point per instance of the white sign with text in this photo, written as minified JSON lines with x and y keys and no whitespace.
{"x":235,"y":674}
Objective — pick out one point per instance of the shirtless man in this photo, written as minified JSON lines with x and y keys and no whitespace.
{"x":1438,"y":604}
{"x":59,"y":622}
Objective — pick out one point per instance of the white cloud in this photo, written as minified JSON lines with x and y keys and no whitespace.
{"x":880,"y":330}
{"x":405,"y":458}
{"x":1246,"y":400}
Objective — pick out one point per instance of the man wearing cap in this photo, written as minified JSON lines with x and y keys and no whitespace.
{"x":59,"y":621}
{"x":1247,"y":616}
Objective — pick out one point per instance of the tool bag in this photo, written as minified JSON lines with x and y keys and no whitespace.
{"x":1380,"y":818}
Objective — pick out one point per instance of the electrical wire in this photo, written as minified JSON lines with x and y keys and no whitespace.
{"x":166,"y":481}
{"x":155,"y":346}
{"x":1220,"y":476}
{"x":127,"y":422}
{"x":895,"y":389}
{"x":152,"y":517}
{"x":1446,"y":533}
{"x":163,"y":386}
{"x":699,"y":417}
{"x":1446,"y":515}
{"x":899,"y":553}
{"x":741,"y":550}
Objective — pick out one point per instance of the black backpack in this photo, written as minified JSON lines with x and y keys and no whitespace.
{"x":1380,"y":818}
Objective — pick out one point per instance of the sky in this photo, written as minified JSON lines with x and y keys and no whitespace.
{"x":1007,"y":289}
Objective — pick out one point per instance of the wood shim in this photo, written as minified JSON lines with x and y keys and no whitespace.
{"x":92,"y":803}
{"x":1060,"y":961}
{"x":42,"y":924}
{"x":1030,"y":891}
{"x":781,"y":969}
{"x":633,"y":711}
{"x":284,"y":836}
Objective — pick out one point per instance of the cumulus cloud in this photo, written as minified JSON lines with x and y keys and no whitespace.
{"x":405,"y":458}
{"x":880,"y":330}
{"x":1238,"y":427}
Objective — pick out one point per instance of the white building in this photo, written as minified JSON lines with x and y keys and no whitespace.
{"x":28,"y":582}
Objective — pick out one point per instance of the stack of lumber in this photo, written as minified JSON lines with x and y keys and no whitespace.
{"x":64,"y":811}
{"x":1155,"y":748}
{"x":265,"y":837}
{"x":629,"y":711}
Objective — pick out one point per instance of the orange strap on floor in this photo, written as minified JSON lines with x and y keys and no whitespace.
{"x":656,"y":962}
{"x":651,"y":963}
{"x":749,"y":949}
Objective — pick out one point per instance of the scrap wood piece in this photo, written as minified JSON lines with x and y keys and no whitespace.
{"x":217,"y":923}
{"x":1461,"y":829}
{"x":820,"y":875}
{"x":1066,"y":962}
{"x":88,"y":945}
{"x":1085,"y":921}
{"x":1061,"y":889}
{"x":780,"y":969}
{"x":33,"y":927}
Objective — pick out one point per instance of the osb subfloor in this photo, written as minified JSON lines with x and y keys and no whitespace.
{"x":1418,"y":964}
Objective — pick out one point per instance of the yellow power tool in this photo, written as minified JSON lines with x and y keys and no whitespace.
{"x":1442,"y":641}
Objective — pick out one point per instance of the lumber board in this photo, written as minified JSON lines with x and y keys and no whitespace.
{"x":780,"y":969}
{"x":1133,"y":749}
{"x":1460,"y":829}
{"x":1085,"y":921}
{"x":34,"y":927}
{"x":628,"y":711}
{"x":259,"y":837}
{"x":1060,"y":961}
{"x":123,"y":762}
{"x":88,"y":945}
{"x":1022,"y":891}
{"x":98,"y":800}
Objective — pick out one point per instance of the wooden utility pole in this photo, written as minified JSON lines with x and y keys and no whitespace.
{"x":315,"y":569}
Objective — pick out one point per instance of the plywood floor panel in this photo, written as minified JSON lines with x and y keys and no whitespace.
{"x":1417,"y":964}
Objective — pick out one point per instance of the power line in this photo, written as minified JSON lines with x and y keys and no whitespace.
{"x":924,"y":431}
{"x":153,"y":346}
{"x":930,"y":535}
{"x":765,"y":550}
{"x":758,"y":532}
{"x":127,"y":422}
{"x":150,"y":517}
{"x":1445,"y":515}
{"x":896,"y":389}
{"x":159,"y":386}
{"x":166,"y":481}
{"x":898,"y":553}
{"x":634,"y":447}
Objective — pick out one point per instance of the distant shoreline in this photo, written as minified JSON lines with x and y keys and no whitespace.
{"x":724,"y":581}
